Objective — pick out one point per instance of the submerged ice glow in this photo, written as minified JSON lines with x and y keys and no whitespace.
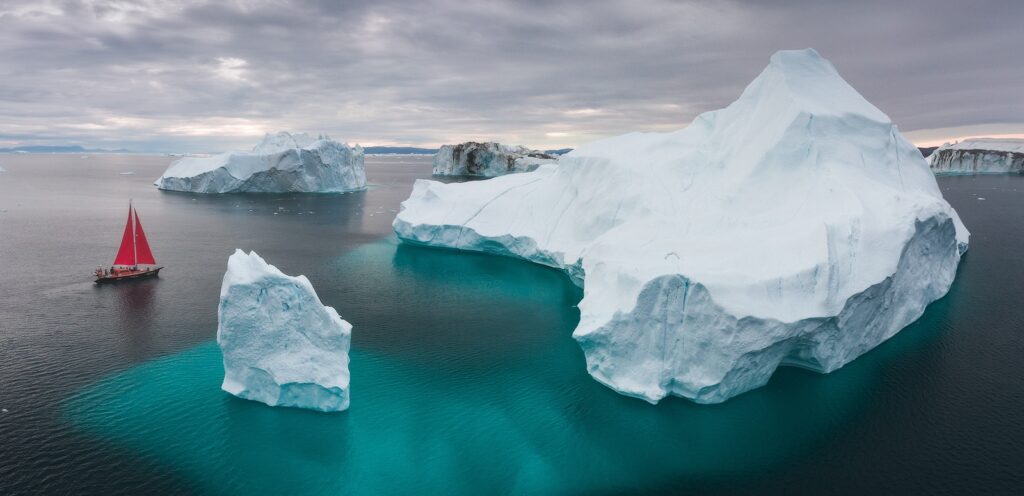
{"x":794,"y":227}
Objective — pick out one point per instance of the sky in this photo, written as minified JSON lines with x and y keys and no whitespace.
{"x":196,"y":75}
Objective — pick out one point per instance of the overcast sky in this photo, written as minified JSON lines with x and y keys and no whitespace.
{"x":202,"y":76}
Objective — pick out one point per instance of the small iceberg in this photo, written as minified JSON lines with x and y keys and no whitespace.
{"x":280,"y":163}
{"x":979,"y":156}
{"x":281,"y":345}
{"x":487,"y":159}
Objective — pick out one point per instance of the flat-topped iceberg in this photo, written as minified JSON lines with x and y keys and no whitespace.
{"x":280,"y":163}
{"x":281,"y":345}
{"x":487,"y":159}
{"x":794,"y":227}
{"x":979,"y":156}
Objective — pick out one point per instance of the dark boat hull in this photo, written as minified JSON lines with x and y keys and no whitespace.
{"x":128,"y":275}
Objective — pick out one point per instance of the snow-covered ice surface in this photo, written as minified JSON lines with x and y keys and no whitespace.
{"x":794,"y":227}
{"x":280,"y":163}
{"x":281,"y":345}
{"x":487,"y":159}
{"x":979,"y":156}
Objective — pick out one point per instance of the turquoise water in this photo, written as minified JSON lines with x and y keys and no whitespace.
{"x":465,"y":377}
{"x":470,"y":383}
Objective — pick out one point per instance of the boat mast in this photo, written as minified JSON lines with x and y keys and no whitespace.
{"x":135,"y":249}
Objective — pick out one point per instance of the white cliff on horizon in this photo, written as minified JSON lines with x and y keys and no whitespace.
{"x":279,"y":163}
{"x":487,"y":159}
{"x":979,"y":156}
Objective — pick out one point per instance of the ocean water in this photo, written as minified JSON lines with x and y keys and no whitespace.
{"x":465,"y":379}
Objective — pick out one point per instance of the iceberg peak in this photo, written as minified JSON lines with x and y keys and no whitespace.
{"x":796,"y":226}
{"x":810,"y":83}
{"x":283,"y":140}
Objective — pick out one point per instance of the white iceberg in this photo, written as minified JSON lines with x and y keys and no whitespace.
{"x":281,"y":345}
{"x":280,"y":163}
{"x":979,"y":156}
{"x":487,"y":159}
{"x":794,"y":227}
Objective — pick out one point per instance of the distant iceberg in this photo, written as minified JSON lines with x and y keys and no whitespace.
{"x":281,"y":345}
{"x":487,"y":159}
{"x":794,"y":227}
{"x":280,"y":163}
{"x":979,"y":156}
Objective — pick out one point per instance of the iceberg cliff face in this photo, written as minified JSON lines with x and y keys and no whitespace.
{"x":979,"y":156}
{"x":281,"y":345}
{"x":280,"y":163}
{"x":487,"y":159}
{"x":794,"y":227}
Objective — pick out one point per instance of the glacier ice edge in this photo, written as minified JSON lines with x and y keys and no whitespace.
{"x":817,"y":343}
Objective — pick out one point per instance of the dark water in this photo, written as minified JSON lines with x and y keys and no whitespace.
{"x":465,"y":379}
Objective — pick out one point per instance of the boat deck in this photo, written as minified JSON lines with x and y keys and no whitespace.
{"x":122,"y":275}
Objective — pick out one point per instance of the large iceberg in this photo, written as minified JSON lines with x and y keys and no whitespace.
{"x":794,"y":227}
{"x":979,"y":156}
{"x":281,"y":345}
{"x":487,"y":159}
{"x":280,"y":163}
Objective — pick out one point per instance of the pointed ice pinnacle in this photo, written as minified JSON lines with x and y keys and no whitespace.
{"x":281,"y":345}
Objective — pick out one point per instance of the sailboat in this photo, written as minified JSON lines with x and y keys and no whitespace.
{"x":133,"y":253}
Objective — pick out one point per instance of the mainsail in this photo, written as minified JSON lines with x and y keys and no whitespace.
{"x":134,"y":248}
{"x":142,"y":253}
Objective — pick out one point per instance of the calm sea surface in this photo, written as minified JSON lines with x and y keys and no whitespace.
{"x":465,"y":379}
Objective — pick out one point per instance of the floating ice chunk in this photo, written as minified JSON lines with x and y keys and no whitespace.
{"x":487,"y":159}
{"x":794,"y":227}
{"x":979,"y":156}
{"x":281,"y":345}
{"x":280,"y":163}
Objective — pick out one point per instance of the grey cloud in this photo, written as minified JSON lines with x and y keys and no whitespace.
{"x":200,"y":75}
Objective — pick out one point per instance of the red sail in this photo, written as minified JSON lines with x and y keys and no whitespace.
{"x":126,"y":253}
{"x":142,"y":252}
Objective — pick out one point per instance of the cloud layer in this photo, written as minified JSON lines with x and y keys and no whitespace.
{"x":208,"y":75}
